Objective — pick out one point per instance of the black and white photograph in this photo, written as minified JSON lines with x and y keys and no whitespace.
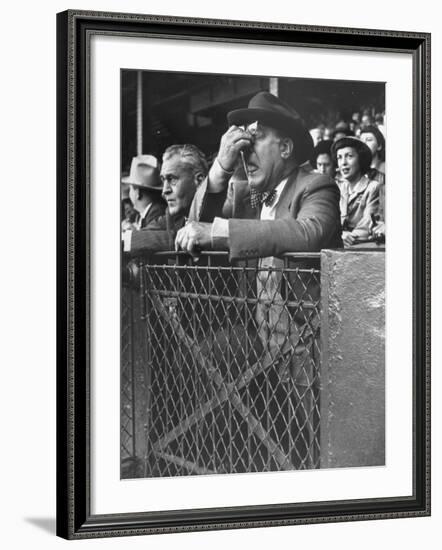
{"x":222,"y":269}
{"x":253,"y":245}
{"x":240,"y":343}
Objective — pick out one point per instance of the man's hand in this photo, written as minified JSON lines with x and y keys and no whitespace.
{"x":193,"y":237}
{"x":127,"y":226}
{"x":232,"y":142}
{"x":348,"y":238}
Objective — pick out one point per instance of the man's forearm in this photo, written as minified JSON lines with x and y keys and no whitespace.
{"x":220,"y":234}
{"x":149,"y":241}
{"x":218,"y":178}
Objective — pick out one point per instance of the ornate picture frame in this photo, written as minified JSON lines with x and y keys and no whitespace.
{"x":76,"y":518}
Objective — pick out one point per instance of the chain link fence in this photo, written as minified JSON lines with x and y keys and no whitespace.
{"x":127,"y":374}
{"x":230,"y":366}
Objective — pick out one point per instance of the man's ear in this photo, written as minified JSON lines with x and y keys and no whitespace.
{"x":198,"y":178}
{"x":286,"y":147}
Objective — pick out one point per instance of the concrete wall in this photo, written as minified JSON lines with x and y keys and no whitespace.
{"x":353,"y":358}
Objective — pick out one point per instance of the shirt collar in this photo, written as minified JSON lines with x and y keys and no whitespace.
{"x":279,"y":188}
{"x":360,"y":186}
{"x":145,"y":211}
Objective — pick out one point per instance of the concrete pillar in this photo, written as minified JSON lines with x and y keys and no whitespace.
{"x":139,"y":112}
{"x":353,"y":358}
{"x":274,"y":85}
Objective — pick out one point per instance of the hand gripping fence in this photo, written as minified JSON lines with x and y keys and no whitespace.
{"x":220,"y":366}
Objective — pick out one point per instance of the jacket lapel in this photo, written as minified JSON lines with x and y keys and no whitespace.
{"x":286,"y":197}
{"x":358,"y":190}
{"x":243,"y":208}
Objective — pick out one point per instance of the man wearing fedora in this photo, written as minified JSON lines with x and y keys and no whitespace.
{"x":282,"y":206}
{"x":145,"y":190}
{"x":183,"y":168}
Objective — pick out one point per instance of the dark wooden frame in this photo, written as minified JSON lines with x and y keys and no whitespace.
{"x":74,"y":519}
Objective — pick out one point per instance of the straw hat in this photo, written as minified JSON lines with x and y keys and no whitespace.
{"x":144,"y":173}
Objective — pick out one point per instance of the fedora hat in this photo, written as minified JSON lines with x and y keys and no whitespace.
{"x":144,"y":173}
{"x":271,"y":111}
{"x":359,"y":146}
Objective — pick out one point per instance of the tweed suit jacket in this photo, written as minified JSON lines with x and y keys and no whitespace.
{"x":307,"y":216}
{"x":307,"y":219}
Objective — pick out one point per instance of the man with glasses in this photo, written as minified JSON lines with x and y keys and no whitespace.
{"x":282,"y":206}
{"x":184,"y":168}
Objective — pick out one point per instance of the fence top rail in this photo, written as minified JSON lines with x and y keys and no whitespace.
{"x":224,"y":253}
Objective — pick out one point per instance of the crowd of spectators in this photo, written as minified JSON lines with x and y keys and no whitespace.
{"x":352,"y":153}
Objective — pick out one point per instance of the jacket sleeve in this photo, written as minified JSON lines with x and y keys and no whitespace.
{"x":316,"y":225}
{"x":158,"y":235}
{"x":206,"y":206}
{"x":372,"y":206}
{"x":148,"y":241}
{"x":156,"y":211}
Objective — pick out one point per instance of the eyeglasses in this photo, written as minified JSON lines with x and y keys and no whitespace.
{"x":169,"y":179}
{"x":254,"y":129}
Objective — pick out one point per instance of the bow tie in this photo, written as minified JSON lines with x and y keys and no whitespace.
{"x":267,"y":198}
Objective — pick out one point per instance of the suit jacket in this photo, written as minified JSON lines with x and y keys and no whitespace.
{"x":357,"y":205}
{"x":155,"y":211}
{"x":307,"y":216}
{"x":158,"y":235}
{"x":307,"y":219}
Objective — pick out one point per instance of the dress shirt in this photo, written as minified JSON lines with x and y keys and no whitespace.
{"x":220,"y":226}
{"x":143,"y":215}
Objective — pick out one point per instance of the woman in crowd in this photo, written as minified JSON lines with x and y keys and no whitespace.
{"x":373,"y":137}
{"x":359,"y":194}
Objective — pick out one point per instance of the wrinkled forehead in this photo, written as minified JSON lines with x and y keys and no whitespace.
{"x":175,"y":164}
